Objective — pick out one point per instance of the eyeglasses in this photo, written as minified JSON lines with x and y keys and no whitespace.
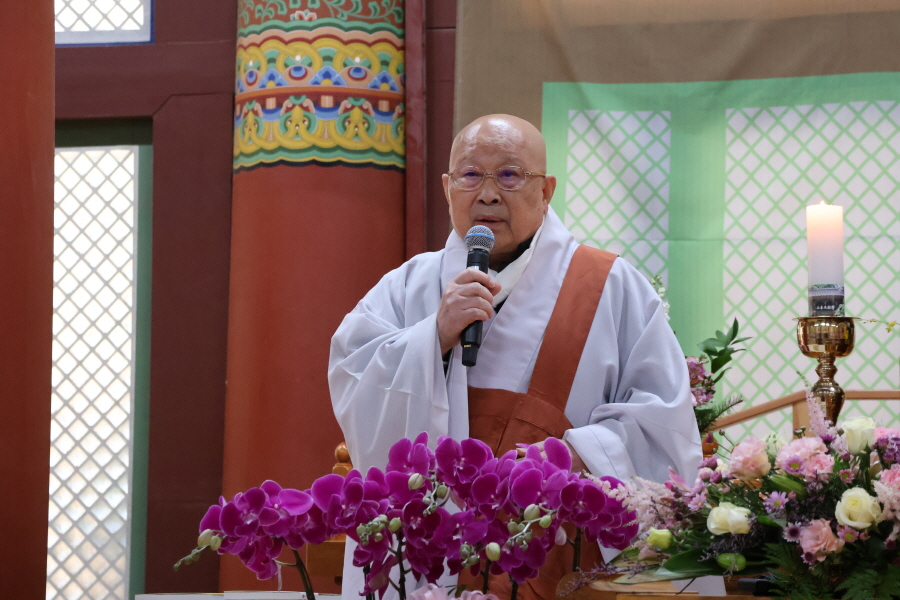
{"x":509,"y":178}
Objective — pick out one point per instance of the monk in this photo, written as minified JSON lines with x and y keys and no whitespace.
{"x":576,"y":343}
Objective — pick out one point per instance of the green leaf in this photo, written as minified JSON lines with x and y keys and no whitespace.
{"x":767,"y":520}
{"x":709,"y":346}
{"x":720,"y":375}
{"x":651,"y":575}
{"x":721,"y":360}
{"x":688,"y":564}
{"x":732,"y":333}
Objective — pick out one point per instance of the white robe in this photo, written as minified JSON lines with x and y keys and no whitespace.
{"x":630,"y":404}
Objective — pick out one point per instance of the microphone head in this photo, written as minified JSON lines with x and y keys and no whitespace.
{"x":480,"y":237}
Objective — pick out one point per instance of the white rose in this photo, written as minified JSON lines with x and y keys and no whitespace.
{"x":859,"y":432}
{"x":857,"y":509}
{"x":728,"y":518}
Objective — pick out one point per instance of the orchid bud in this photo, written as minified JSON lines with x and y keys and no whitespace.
{"x":493,"y":551}
{"x":377,"y":526}
{"x":528,"y":535}
{"x":204,"y":538}
{"x":545,"y":521}
{"x":472,"y":560}
{"x":362,"y":530}
{"x":532,"y":512}
{"x":395,"y":524}
{"x":416,"y":481}
{"x":215,"y":543}
{"x":441,"y":491}
{"x":512,"y":527}
{"x":378,"y":537}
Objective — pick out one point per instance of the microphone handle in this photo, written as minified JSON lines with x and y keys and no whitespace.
{"x":470,"y":338}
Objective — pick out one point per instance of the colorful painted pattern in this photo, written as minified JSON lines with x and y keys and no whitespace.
{"x":319,"y":81}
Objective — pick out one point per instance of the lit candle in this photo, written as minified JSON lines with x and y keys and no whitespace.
{"x":825,"y":252}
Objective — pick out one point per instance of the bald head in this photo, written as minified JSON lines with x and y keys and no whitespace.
{"x":487,"y":145}
{"x":505,"y":133}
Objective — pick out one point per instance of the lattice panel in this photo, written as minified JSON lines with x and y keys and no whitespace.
{"x":780,"y":159}
{"x":617,"y":188}
{"x":103,"y":21}
{"x":93,"y":351}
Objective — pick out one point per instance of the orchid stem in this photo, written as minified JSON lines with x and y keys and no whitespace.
{"x":515,"y":589}
{"x":576,"y":555}
{"x":402,"y":588}
{"x":304,"y":575}
{"x":484,"y":576}
{"x":366,"y":570}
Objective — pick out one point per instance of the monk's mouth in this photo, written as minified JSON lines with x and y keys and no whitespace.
{"x":488,"y":222}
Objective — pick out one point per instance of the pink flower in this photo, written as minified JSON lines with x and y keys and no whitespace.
{"x":820,"y":464}
{"x":848,"y":534}
{"x":702,"y":386}
{"x":881,"y":432}
{"x":749,"y":459}
{"x":435,"y":592}
{"x":804,"y":447}
{"x":812,"y":454}
{"x":891,"y":477}
{"x":818,"y":539}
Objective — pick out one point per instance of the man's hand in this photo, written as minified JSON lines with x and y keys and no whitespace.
{"x":577,"y":464}
{"x":467,"y":299}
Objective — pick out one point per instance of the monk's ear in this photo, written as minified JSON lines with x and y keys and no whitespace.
{"x":446,"y":181}
{"x":549,"y":188}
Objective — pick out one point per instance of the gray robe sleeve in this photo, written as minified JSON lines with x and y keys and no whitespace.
{"x":642,"y":421}
{"x":385,"y":370}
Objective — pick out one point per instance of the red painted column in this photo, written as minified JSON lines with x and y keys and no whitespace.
{"x":317,"y":218}
{"x":26,"y":292}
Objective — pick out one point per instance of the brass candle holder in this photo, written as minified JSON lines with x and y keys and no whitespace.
{"x":825,"y":339}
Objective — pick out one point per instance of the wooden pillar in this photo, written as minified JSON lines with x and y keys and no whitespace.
{"x":318,"y":216}
{"x":26,"y":292}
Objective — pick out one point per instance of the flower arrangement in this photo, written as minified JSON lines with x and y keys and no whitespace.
{"x":508,"y":515}
{"x":820,"y":514}
{"x":718,"y":352}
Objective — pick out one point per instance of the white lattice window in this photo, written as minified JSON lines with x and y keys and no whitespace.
{"x":103,"y":21}
{"x":93,"y":373}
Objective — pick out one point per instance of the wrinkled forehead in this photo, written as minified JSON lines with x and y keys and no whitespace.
{"x":498,"y":142}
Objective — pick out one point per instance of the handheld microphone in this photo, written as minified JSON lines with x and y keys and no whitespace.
{"x":479,"y":241}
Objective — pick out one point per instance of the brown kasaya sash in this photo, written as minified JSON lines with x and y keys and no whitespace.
{"x":502,"y":419}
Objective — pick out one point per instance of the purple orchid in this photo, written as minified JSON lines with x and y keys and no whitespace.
{"x":460,"y":463}
{"x":407,"y":456}
{"x":516,"y":505}
{"x":255,"y":524}
{"x":348,"y":502}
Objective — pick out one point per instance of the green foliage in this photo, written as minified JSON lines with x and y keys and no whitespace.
{"x":795,"y":579}
{"x":708,"y":413}
{"x":870,"y":584}
{"x":688,"y":564}
{"x":721,"y":348}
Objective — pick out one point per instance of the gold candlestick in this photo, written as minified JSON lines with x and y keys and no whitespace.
{"x":825,"y":339}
